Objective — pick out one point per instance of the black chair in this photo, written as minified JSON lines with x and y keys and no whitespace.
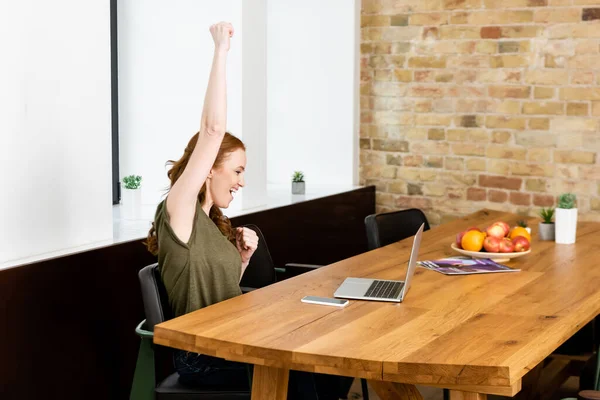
{"x":261,"y":270}
{"x":387,"y":228}
{"x":157,"y":310}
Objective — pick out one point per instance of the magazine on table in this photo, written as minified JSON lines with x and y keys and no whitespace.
{"x":462,"y":265}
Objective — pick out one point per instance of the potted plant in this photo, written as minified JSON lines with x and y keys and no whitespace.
{"x":131,"y":197}
{"x":298,"y":182}
{"x":547,"y":226}
{"x":566,"y":219}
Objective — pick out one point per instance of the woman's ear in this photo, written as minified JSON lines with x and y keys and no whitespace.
{"x":210,"y":174}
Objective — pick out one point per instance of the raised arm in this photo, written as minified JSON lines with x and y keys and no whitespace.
{"x":181,"y":202}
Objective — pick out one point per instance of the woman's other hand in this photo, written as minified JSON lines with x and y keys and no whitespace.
{"x":221,"y":34}
{"x":246,"y":242}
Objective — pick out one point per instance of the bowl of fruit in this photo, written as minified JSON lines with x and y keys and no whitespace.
{"x":498,"y":242}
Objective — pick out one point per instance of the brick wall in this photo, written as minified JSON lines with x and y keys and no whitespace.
{"x":468,"y":104}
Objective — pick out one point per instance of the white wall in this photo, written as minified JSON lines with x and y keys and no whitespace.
{"x":292,"y":87}
{"x":55,"y":126}
{"x":165,"y":56}
{"x":254,"y":102}
{"x":312,"y":90}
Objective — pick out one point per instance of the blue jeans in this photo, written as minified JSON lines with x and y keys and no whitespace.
{"x":202,"y":370}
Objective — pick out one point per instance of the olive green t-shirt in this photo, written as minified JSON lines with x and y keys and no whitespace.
{"x":201,"y":272}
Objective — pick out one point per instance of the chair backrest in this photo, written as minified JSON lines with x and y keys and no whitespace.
{"x":261,"y":269}
{"x":386,"y":228}
{"x":154,"y":295}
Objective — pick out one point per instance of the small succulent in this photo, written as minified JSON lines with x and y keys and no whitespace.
{"x":132,"y":181}
{"x":522,"y":223}
{"x":547,"y":214}
{"x":567,"y":200}
{"x":298,"y":176}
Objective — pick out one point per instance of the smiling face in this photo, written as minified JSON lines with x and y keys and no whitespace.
{"x":226,"y":179}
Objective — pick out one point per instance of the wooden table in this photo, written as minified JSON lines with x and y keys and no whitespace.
{"x":476,"y":334}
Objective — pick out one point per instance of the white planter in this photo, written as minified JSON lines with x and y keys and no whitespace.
{"x":131,"y":203}
{"x":566,"y":225}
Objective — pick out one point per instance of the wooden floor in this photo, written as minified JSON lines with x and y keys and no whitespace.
{"x":568,"y":389}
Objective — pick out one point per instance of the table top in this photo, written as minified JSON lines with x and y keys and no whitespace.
{"x":477,"y":333}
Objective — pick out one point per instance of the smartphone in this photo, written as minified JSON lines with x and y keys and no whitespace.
{"x":326,"y":301}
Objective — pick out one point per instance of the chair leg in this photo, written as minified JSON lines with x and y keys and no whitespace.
{"x":597,"y":372}
{"x":365,"y":389}
{"x":143,"y":384}
{"x":345,"y":385}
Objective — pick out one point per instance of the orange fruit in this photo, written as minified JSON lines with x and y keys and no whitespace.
{"x":472,"y":241}
{"x":519,"y":231}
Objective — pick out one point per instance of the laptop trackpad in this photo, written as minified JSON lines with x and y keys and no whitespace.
{"x":354,"y":287}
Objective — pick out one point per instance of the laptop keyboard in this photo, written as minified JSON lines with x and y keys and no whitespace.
{"x":384,"y":289}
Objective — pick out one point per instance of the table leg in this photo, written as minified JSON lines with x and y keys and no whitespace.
{"x":531,"y":387}
{"x":270,"y":383}
{"x":392,"y":390}
{"x":460,"y":395}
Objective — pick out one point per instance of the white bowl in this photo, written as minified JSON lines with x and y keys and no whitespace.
{"x":497,"y":257}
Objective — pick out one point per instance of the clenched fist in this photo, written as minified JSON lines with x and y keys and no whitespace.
{"x":246,"y":242}
{"x":221,"y":34}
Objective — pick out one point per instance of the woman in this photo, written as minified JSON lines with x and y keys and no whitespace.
{"x":202,"y":259}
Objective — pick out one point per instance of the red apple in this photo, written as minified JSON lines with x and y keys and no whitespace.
{"x":504,"y":225}
{"x":506,"y":246}
{"x":521,"y":244}
{"x":473,"y":228}
{"x":496,"y":230}
{"x":492,"y":244}
{"x":459,"y":237}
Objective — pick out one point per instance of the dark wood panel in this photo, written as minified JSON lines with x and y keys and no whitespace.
{"x":67,"y":325}
{"x":322,"y":231}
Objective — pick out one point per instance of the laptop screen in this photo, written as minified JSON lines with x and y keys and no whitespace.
{"x":412,"y":261}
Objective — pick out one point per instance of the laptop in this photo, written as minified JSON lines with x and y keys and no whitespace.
{"x":382,"y":290}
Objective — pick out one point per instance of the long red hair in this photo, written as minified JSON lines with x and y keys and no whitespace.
{"x":229,"y":145}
